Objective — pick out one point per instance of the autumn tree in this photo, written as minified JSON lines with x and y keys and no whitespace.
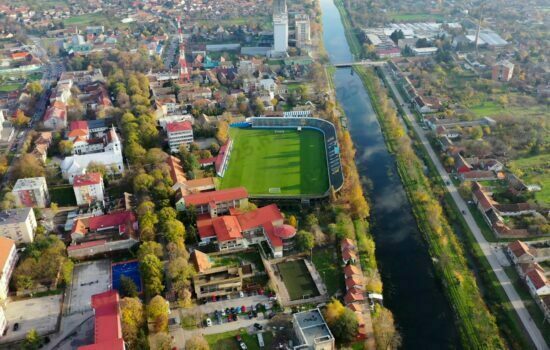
{"x":150,"y":247}
{"x":32,"y":341}
{"x":292,"y":221}
{"x":21,"y":120}
{"x":65,"y":147}
{"x":157,"y":313}
{"x":151,"y":269}
{"x":27,"y":166}
{"x":386,"y":335}
{"x":345,"y":327}
{"x":196,"y":342}
{"x":333,"y":311}
{"x":132,"y":319}
{"x":34,"y":88}
{"x":128,"y":287}
{"x":305,"y":241}
{"x":222,"y":135}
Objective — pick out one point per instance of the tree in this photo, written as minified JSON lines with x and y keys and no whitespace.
{"x":345,"y":327}
{"x":157,"y":313}
{"x":32,"y":340}
{"x":127,"y":287}
{"x":161,"y":341}
{"x":333,"y":311}
{"x":197,"y":342}
{"x":173,"y":229}
{"x":65,"y":147}
{"x":167,"y":213}
{"x":132,"y":318}
{"x":385,"y":333}
{"x":151,"y":271}
{"x":292,"y":221}
{"x":150,"y":247}
{"x":396,"y":35}
{"x":21,"y":120}
{"x":449,"y":162}
{"x":143,"y":182}
{"x":95,"y":167}
{"x":34,"y":88}
{"x":222,"y":135}
{"x":312,"y":220}
{"x":27,"y":166}
{"x":305,"y":241}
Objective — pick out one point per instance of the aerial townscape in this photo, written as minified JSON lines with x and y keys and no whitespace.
{"x":274,"y":174}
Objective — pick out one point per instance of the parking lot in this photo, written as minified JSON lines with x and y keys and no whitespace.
{"x":36,"y":313}
{"x":88,"y":279}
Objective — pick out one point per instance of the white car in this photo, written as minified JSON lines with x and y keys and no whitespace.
{"x":208,"y":322}
{"x":241,"y":294}
{"x":243,"y":346}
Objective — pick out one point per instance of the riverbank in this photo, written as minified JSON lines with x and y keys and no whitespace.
{"x":477,"y":326}
{"x":351,"y":37}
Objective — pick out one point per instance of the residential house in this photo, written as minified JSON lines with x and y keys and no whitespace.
{"x":354,"y":295}
{"x":503,"y":71}
{"x":218,"y":281}
{"x":88,"y":188}
{"x":200,"y":260}
{"x":18,"y":225}
{"x":538,"y":283}
{"x":107,"y":326}
{"x":8,"y":259}
{"x":31,"y":192}
{"x":55,"y":116}
{"x":519,"y":252}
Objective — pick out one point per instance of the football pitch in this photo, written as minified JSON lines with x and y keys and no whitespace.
{"x":277,"y":162}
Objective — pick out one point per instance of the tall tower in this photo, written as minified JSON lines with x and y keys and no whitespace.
{"x":182,"y":63}
{"x":280,"y":26}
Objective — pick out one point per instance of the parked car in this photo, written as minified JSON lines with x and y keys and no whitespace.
{"x":258,"y":326}
{"x":208,"y":322}
{"x":241,"y":294}
{"x":15,"y":326}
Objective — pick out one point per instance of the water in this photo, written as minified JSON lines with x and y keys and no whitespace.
{"x":411,"y":290}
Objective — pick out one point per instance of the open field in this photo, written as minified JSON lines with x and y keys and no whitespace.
{"x":95,"y":19}
{"x":536,"y":171}
{"x":10,"y":87}
{"x":63,"y":196}
{"x":226,"y":341}
{"x":297,"y":279}
{"x":277,"y":162}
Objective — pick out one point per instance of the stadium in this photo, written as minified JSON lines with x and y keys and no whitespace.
{"x":283,"y":157}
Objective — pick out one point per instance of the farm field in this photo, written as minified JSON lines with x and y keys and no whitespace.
{"x":277,"y":162}
{"x":536,"y":171}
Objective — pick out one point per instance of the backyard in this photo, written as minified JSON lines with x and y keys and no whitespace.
{"x":535,"y":171}
{"x":331,"y":273}
{"x":62,"y":195}
{"x":297,"y":280}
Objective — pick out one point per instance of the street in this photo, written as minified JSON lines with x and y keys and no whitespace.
{"x":491,"y":254}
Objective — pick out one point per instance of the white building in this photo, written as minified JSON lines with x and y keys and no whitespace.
{"x":31,"y":192}
{"x":303,"y":31}
{"x":8,"y":258}
{"x":18,"y":225}
{"x":179,"y":133}
{"x":312,"y":331}
{"x":88,"y":188}
{"x":3,"y":321}
{"x":111,"y":157}
{"x":280,"y":26}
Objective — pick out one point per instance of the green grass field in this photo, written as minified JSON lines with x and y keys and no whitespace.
{"x":63,"y":196}
{"x":98,"y":18}
{"x":10,"y":87}
{"x":267,"y":162}
{"x":226,"y":341}
{"x":297,"y":279}
{"x":331,"y":273}
{"x":536,"y":171}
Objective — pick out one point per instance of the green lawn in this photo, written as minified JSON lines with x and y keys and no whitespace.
{"x":492,"y":108}
{"x":9,"y":87}
{"x":98,"y":18}
{"x":227,"y":341}
{"x":325,"y":262}
{"x":268,"y":162}
{"x":62,"y":195}
{"x":297,"y":279}
{"x":536,"y":171}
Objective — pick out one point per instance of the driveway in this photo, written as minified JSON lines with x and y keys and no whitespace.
{"x":488,"y":251}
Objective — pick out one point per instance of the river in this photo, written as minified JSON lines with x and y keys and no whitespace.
{"x":411,"y":291}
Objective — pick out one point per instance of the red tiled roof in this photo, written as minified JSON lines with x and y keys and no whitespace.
{"x":221,"y":156}
{"x":200,"y":260}
{"x":179,"y":126}
{"x":347,"y":243}
{"x":537,"y":278}
{"x":19,"y":55}
{"x":483,"y":199}
{"x":87,"y":179}
{"x":285,"y":231}
{"x":353,"y":295}
{"x":216,"y":196}
{"x":227,"y":228}
{"x":79,"y":124}
{"x":207,"y":161}
{"x":205,"y":227}
{"x":351,"y":270}
{"x":518,"y":248}
{"x":260,"y":216}
{"x":176,"y":170}
{"x":110,"y":220}
{"x":6,"y":246}
{"x":356,"y":307}
{"x":354,"y":281}
{"x":108,"y":330}
{"x":77,"y":133}
{"x":348,"y":254}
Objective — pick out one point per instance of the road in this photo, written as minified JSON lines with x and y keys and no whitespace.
{"x":490,"y":253}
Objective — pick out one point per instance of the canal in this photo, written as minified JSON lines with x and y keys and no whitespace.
{"x":422,"y":313}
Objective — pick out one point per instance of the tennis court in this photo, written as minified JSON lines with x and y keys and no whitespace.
{"x":297,"y":280}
